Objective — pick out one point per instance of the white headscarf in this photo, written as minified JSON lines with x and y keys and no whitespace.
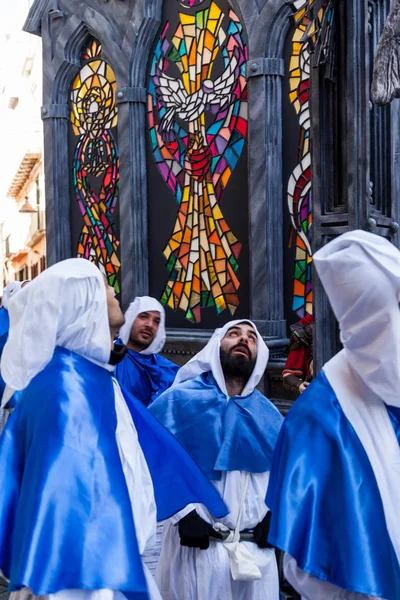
{"x":208,"y":359}
{"x":360,"y":272}
{"x":64,"y":306}
{"x":139,"y":305}
{"x":9,"y":291}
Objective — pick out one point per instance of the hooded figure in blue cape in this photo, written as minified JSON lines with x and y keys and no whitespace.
{"x":334,"y":491}
{"x":85,"y":470}
{"x":230,"y":429}
{"x":143,"y":372}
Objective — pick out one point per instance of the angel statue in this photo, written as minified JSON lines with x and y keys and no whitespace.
{"x":386,"y":76}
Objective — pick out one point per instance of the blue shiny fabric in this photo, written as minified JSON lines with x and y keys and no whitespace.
{"x":177,"y":480}
{"x":4,"y":324}
{"x":146,"y":376}
{"x":220,"y":435}
{"x":326,"y":508}
{"x":65,"y":513}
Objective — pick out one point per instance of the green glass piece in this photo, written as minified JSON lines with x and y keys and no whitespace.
{"x":171,"y":262}
{"x":233,"y":263}
{"x":189,"y":316}
{"x":199,"y":19}
{"x":174,"y":55}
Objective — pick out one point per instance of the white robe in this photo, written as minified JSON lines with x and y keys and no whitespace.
{"x":312,"y":588}
{"x":192,"y":574}
{"x":141,"y":494}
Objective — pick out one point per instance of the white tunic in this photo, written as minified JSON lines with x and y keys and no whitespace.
{"x":141,"y":494}
{"x":192,"y":574}
{"x":312,"y":588}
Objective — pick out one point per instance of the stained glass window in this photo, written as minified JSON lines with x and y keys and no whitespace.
{"x":95,"y":164}
{"x":197,"y":118}
{"x":306,"y":28}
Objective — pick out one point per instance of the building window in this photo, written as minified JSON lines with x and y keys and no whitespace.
{"x":197,"y":164}
{"x":95,"y":164}
{"x":23,"y":274}
{"x":42,"y":263}
{"x":34,"y":270}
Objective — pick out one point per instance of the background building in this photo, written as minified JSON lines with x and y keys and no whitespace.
{"x":22,"y":233}
{"x":202,"y":150}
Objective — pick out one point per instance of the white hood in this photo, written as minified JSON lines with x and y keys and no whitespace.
{"x":360,"y":272}
{"x":64,"y":306}
{"x":208,"y":359}
{"x":10,"y":290}
{"x":139,"y":305}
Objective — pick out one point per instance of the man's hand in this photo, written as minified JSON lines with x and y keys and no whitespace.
{"x":195,"y":532}
{"x":303,"y":386}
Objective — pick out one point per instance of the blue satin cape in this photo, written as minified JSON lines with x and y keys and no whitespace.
{"x":220,"y":435}
{"x":146,"y":376}
{"x":65,"y":513}
{"x":326,"y":508}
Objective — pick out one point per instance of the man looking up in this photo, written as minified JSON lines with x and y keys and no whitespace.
{"x":230,"y":429}
{"x":79,"y":460}
{"x":143,"y":372}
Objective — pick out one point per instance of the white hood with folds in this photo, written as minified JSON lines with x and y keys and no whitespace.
{"x":208,"y":359}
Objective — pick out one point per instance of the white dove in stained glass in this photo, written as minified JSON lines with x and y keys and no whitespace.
{"x":213,"y":96}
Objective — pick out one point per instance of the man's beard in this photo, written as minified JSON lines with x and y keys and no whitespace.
{"x":236,"y":365}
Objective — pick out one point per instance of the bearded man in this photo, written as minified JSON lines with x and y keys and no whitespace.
{"x":230,"y":429}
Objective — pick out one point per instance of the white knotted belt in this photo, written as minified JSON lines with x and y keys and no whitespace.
{"x":242,"y":563}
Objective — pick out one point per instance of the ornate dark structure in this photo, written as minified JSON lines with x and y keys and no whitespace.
{"x":353,"y":153}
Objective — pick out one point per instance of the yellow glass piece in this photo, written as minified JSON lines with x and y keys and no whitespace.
{"x":215,"y":11}
{"x":294,"y":83}
{"x":212,"y":25}
{"x":186,"y":82}
{"x":297,"y":106}
{"x":95,"y":64}
{"x":171,"y":298}
{"x":298,"y":34}
{"x":217,"y":214}
{"x":187,"y":19}
{"x":294,"y":63}
{"x":220,"y":302}
{"x":297,"y":47}
{"x":299,"y":15}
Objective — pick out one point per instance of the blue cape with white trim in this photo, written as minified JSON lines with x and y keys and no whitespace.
{"x":65,"y":514}
{"x":146,"y":376}
{"x":326,"y":508}
{"x":239,"y":434}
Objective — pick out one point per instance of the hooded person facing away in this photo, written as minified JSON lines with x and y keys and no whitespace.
{"x":143,"y":372}
{"x":334,"y":491}
{"x":230,"y":429}
{"x":80,"y":463}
